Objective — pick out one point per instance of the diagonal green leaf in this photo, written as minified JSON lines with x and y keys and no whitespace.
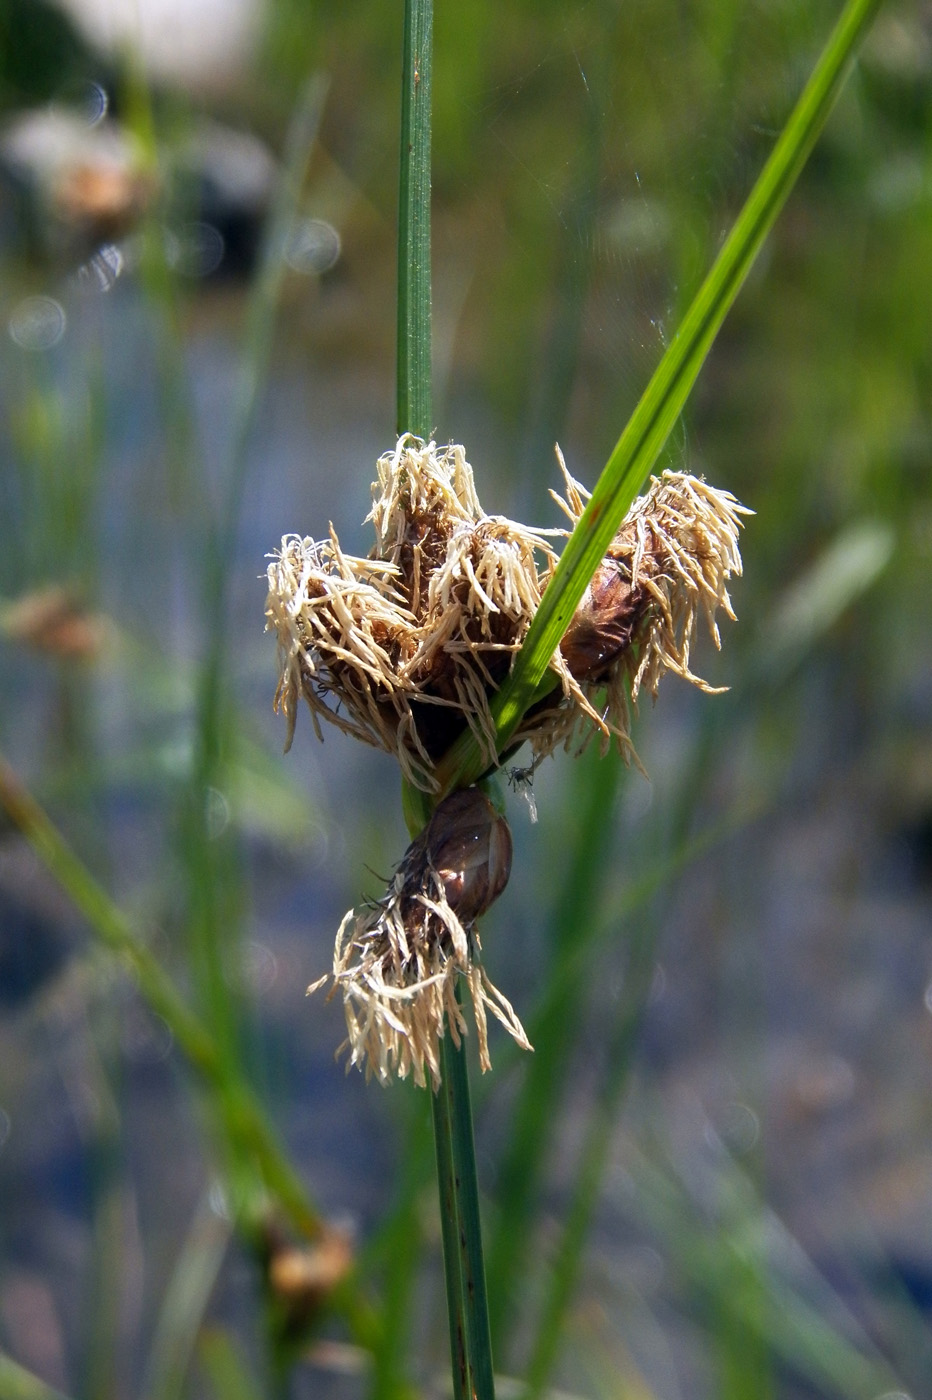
{"x":650,"y":425}
{"x":246,"y":1123}
{"x":16,"y":1383}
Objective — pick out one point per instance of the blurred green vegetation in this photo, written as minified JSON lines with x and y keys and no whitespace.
{"x":712,"y":1177}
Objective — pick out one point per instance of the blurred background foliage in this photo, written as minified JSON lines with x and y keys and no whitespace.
{"x":714,"y":1177}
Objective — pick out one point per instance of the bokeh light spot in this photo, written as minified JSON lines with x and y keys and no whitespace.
{"x":37,"y":323}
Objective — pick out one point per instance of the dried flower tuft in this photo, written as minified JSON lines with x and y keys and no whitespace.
{"x":398,"y":962}
{"x":668,"y":565}
{"x":404,"y":648}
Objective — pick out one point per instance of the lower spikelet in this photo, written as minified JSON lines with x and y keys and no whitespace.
{"x":398,"y":962}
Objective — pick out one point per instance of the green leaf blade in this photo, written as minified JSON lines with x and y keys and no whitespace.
{"x":643,"y":439}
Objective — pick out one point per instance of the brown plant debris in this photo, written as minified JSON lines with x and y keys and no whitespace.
{"x":398,"y":962}
{"x":52,"y":620}
{"x":302,"y":1276}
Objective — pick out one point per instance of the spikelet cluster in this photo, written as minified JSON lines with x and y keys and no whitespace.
{"x":406,"y":648}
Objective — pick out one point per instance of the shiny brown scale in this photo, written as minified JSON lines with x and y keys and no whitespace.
{"x":468,"y":845}
{"x":605,"y":623}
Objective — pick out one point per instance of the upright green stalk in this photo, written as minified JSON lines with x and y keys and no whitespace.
{"x":470,"y":1336}
{"x":464,"y":1269}
{"x":414,"y":363}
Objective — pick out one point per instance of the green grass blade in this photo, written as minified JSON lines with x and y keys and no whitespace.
{"x":640,"y":444}
{"x":794,"y":1311}
{"x":847,"y":568}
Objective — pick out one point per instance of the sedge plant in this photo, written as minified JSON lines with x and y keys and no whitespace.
{"x":560,"y":650}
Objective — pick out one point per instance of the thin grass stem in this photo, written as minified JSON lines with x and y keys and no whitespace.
{"x":470,"y":1339}
{"x":464,"y":1268}
{"x":414,"y":378}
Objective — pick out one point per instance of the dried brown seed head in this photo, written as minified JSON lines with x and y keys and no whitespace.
{"x":51,"y":620}
{"x":302,"y":1277}
{"x":405,"y":650}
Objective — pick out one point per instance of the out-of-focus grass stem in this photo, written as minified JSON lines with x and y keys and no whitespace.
{"x":17,"y":1383}
{"x":212,"y":862}
{"x":594,"y":1158}
{"x":243,"y":1119}
{"x":546,"y":1072}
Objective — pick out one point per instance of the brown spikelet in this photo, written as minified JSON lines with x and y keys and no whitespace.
{"x":668,"y":565}
{"x":405,"y":649}
{"x":397,"y":963}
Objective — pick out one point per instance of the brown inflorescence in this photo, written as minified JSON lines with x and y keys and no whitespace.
{"x":52,"y":620}
{"x":302,"y":1276}
{"x":406,"y":649}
